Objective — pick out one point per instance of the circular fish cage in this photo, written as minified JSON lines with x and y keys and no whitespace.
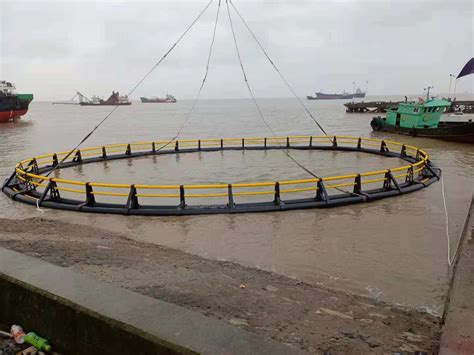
{"x":31,"y":184}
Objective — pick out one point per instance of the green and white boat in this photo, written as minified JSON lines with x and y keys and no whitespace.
{"x":423,"y":119}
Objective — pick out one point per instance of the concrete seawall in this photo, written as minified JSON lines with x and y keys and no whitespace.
{"x":458,"y":330}
{"x":84,"y":316}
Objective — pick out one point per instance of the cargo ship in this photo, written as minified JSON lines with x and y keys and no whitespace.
{"x":170,"y":99}
{"x":12,"y":105}
{"x":114,"y":100}
{"x":345,"y":95}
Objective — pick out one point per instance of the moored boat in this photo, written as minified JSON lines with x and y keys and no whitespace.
{"x":12,"y":105}
{"x":170,"y":99}
{"x":422,"y":119}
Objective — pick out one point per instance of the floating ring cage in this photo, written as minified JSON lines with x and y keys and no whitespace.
{"x":31,"y":184}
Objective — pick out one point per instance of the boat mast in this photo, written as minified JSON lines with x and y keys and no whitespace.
{"x":451,"y":76}
{"x":428,"y":92}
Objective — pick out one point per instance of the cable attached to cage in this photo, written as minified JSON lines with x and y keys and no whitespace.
{"x":209,"y":56}
{"x":147,"y":74}
{"x":262,"y":116}
{"x":287,"y":153}
{"x":276,"y":69}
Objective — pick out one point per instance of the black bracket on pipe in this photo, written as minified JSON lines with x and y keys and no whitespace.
{"x":389,"y":179}
{"x":383,"y":147}
{"x":288,"y":142}
{"x":128,"y":151}
{"x":358,"y":185}
{"x":182,"y":200}
{"x":153,"y":147}
{"x":90,"y":199}
{"x":231,"y":203}
{"x":265,"y":142}
{"x":104,"y":152}
{"x":132,"y":201}
{"x":9,"y":180}
{"x":403,"y":152}
{"x":29,"y":186}
{"x":334,"y":142}
{"x":55,"y":160}
{"x":277,"y":200}
{"x":409,"y":177}
{"x":34,"y":166}
{"x":431,"y":170}
{"x":78,"y":157}
{"x":176,"y":146}
{"x":53,"y":192}
{"x":311,"y":141}
{"x":359,"y":143}
{"x":322,"y":194}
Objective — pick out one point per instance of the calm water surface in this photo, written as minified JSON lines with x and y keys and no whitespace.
{"x":393,"y":249}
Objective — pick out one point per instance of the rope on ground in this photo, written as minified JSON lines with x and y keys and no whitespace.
{"x":38,"y":207}
{"x":135,"y":87}
{"x":451,"y":259}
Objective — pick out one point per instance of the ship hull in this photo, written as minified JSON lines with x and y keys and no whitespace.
{"x":14,"y":106}
{"x":461,"y":132}
{"x":6,"y":116}
{"x":322,"y":96}
{"x":157,"y":101}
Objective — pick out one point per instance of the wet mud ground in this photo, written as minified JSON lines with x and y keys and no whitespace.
{"x":305,"y":316}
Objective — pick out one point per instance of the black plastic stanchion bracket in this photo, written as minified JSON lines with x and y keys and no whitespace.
{"x":132,"y":201}
{"x":231,"y":203}
{"x":182,"y":199}
{"x":90,"y":198}
{"x":322,"y":194}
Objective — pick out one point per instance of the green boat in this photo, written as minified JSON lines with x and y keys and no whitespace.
{"x":423,"y":119}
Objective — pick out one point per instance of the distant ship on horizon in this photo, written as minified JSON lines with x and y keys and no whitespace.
{"x":345,"y":95}
{"x":170,"y":99}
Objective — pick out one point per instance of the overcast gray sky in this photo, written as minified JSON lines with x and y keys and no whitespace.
{"x":54,"y":48}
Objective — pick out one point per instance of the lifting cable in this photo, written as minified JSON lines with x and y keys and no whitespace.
{"x":203,"y":80}
{"x":285,"y":151}
{"x":277,"y":70}
{"x":134,"y":88}
{"x":262,"y":116}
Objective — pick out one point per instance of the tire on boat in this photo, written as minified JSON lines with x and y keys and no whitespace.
{"x":376,"y":124}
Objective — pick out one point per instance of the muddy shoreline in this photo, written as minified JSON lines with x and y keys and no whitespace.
{"x":309,"y":317}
